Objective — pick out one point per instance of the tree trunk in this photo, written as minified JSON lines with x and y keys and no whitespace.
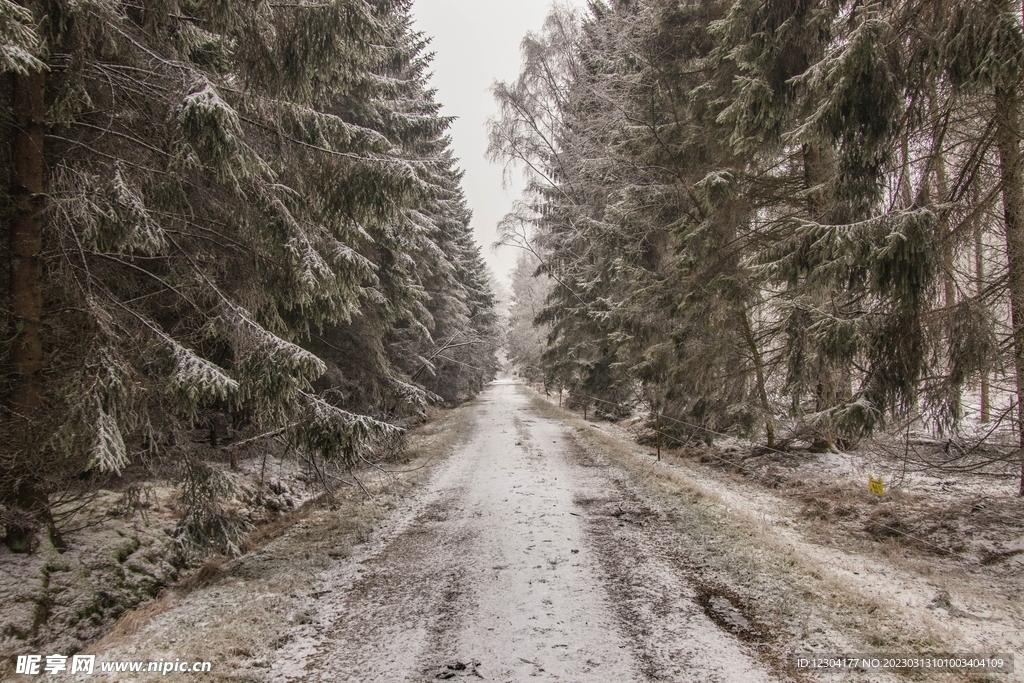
{"x":938,"y":163}
{"x":945,"y":234}
{"x":31,"y":507}
{"x":657,"y":429}
{"x":26,"y":240}
{"x":979,"y":275}
{"x":1011,"y":185}
{"x":946,"y":249}
{"x":755,"y":353}
{"x":906,"y":191}
{"x":816,"y":206}
{"x":26,"y":288}
{"x":815,"y":164}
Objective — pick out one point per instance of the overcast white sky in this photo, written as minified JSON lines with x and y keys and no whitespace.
{"x":477,"y":42}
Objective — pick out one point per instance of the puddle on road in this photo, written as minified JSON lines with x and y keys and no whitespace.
{"x":622,"y":520}
{"x":730,"y":612}
{"x":722,"y":605}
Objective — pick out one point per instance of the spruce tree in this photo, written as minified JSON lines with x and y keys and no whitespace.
{"x":229,"y":228}
{"x":741,"y":204}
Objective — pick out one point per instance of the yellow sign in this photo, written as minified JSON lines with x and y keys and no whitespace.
{"x":876,"y":486}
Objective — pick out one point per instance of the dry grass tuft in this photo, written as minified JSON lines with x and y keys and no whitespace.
{"x":206,"y":574}
{"x":828,"y":503}
{"x":274,"y":527}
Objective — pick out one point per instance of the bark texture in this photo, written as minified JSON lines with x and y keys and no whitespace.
{"x":25,"y":236}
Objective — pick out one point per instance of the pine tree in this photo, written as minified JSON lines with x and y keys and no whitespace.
{"x":229,"y":226}
{"x":740,"y":203}
{"x":526,"y":340}
{"x":982,"y":50}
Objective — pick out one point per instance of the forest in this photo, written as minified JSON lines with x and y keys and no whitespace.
{"x":237,"y":220}
{"x":756,"y":393}
{"x":791,"y":221}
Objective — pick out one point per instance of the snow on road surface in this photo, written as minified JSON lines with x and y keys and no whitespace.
{"x":494,"y":574}
{"x":521,"y":559}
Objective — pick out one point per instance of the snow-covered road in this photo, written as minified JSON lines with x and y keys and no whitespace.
{"x":519,"y":562}
{"x":523,"y":556}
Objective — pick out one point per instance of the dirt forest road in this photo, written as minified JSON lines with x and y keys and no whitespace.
{"x":521,"y":542}
{"x":519,"y":562}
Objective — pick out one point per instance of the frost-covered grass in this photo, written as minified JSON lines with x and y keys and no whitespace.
{"x":819,"y":591}
{"x":235,"y":611}
{"x":121,"y":571}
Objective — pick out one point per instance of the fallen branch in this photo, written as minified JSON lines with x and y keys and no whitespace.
{"x":234,"y":448}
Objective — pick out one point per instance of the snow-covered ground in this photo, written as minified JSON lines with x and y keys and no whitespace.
{"x":533,"y":544}
{"x":118,"y":557}
{"x":518,"y":560}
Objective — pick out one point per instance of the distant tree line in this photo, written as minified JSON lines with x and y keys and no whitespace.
{"x":749,"y":211}
{"x":236,"y":212}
